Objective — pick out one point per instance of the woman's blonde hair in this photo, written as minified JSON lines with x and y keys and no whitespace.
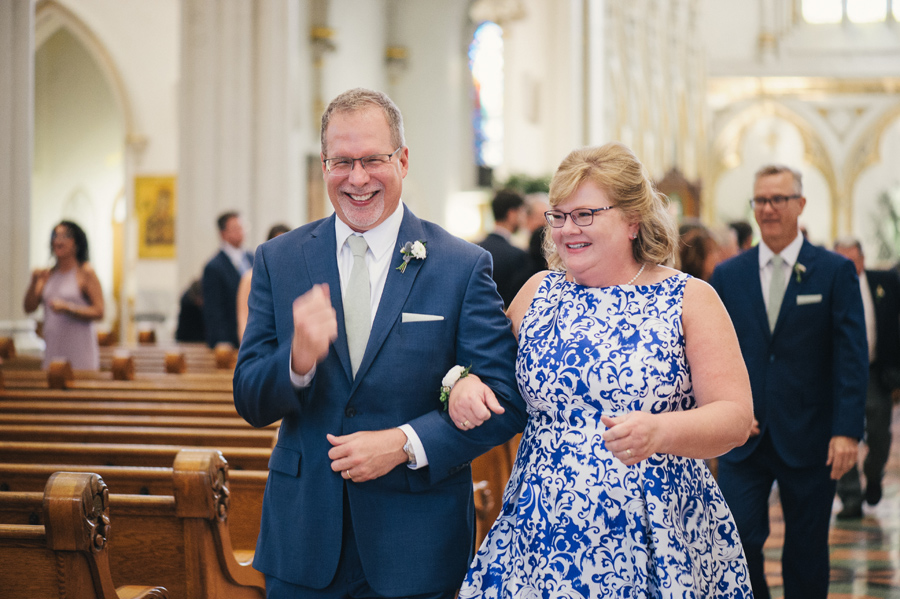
{"x":615,"y":169}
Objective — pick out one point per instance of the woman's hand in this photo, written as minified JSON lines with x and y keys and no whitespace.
{"x":60,"y":305}
{"x":632,"y":437}
{"x":471,"y":403}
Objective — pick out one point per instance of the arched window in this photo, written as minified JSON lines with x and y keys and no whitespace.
{"x":486,"y":65}
{"x":855,"y":11}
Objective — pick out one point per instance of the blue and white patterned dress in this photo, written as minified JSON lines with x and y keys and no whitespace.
{"x":576,"y":522}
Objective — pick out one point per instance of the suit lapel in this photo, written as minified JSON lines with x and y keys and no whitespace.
{"x":396,"y":290}
{"x":757,"y":302}
{"x":321,"y":262}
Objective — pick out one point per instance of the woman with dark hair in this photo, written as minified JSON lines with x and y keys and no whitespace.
{"x":72,"y":298}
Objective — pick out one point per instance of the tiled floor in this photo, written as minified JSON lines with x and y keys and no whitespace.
{"x":865,"y":554}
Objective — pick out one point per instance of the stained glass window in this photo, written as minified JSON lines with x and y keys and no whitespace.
{"x":486,"y":65}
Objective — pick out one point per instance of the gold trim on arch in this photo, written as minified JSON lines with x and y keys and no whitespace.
{"x":866,"y":152}
{"x":728,"y":156}
{"x":50,"y":16}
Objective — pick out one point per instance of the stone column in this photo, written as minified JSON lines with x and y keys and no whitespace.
{"x":16,"y":146}
{"x":240,"y":117}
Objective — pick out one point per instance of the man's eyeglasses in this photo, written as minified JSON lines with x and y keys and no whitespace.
{"x":371,"y":164}
{"x":581,"y":217}
{"x":775,"y":201}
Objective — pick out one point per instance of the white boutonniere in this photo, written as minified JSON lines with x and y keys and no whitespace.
{"x":452,"y":377}
{"x":799,"y":271}
{"x":412,"y":250}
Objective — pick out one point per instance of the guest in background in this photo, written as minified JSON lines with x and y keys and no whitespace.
{"x":744,"y":234}
{"x":880,"y":290}
{"x":221,"y":277}
{"x":190,"y":314}
{"x":698,"y":252}
{"x":799,"y":318}
{"x":72,"y":297}
{"x":243,"y":292}
{"x":512,"y":266}
{"x":535,"y":221}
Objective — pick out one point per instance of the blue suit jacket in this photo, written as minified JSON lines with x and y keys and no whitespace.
{"x":809,"y":375}
{"x":220,"y":284}
{"x":413,"y":527}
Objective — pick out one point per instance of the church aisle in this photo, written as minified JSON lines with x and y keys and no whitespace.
{"x":865,"y":554}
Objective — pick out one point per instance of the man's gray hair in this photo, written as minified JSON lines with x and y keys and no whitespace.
{"x":359,"y":98}
{"x":776,"y":169}
{"x":848,"y":241}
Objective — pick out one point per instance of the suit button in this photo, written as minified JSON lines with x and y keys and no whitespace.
{"x":772,"y":359}
{"x":350,"y":412}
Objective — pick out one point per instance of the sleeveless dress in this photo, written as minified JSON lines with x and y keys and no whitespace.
{"x":68,"y":337}
{"x":575,"y":521}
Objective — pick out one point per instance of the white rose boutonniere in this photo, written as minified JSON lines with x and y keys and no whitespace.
{"x":412,"y":250}
{"x":799,"y":271}
{"x":451,"y":378}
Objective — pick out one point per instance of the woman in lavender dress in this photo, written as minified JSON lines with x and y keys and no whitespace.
{"x":72,"y":299}
{"x":632,"y":375}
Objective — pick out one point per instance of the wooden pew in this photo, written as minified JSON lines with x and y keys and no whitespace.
{"x":117,"y":395}
{"x":246,"y":487}
{"x":152,"y":435}
{"x":122,"y":454}
{"x":61,"y":376}
{"x":123,"y":408}
{"x":152,"y":419}
{"x":181,"y":540}
{"x":68,"y":557}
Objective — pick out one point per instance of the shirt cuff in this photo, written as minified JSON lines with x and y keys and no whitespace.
{"x":301,"y":381}
{"x":418,"y":448}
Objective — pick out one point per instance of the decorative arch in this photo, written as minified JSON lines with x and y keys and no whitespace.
{"x":50,"y":17}
{"x":867,"y":149}
{"x":727,"y":143}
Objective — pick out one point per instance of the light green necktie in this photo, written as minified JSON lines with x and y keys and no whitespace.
{"x":357,"y":303}
{"x":776,"y":290}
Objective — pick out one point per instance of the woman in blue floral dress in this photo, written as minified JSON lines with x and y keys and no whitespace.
{"x":632,"y":375}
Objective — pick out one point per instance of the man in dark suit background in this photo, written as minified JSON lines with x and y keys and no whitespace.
{"x":512,"y":266}
{"x":355,"y":320}
{"x":880,"y":291}
{"x":798,"y":315}
{"x":221,"y":277}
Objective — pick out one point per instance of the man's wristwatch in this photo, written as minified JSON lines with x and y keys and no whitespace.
{"x":410,"y":453}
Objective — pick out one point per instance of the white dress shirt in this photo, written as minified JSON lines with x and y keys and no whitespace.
{"x":869,"y":311}
{"x":788,"y":254}
{"x":237,"y":256}
{"x":381,"y":241}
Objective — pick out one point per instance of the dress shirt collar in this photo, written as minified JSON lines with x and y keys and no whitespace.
{"x":381,"y":239}
{"x":237,"y":256}
{"x":788,"y":254}
{"x":502,"y":232}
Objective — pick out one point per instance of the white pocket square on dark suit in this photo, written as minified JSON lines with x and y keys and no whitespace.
{"x":414,"y":317}
{"x":809,"y":299}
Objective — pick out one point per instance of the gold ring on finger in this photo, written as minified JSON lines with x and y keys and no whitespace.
{"x":630,"y":455}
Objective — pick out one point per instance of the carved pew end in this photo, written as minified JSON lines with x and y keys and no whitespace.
{"x":60,"y":374}
{"x":226,"y":356}
{"x":123,"y":367}
{"x":175,"y":362}
{"x":7,"y":349}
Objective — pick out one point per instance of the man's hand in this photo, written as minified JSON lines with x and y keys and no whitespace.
{"x":367,"y":455}
{"x":842,"y":455}
{"x":471,"y":403}
{"x":315,"y":328}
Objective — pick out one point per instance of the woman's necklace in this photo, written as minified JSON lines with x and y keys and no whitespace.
{"x":634,"y":278}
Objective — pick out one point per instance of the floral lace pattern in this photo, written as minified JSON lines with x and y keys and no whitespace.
{"x":575,"y":521}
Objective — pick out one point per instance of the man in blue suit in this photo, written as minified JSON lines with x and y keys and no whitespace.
{"x":221,"y":278}
{"x":354,"y":322}
{"x":798,"y":315}
{"x":880,"y":290}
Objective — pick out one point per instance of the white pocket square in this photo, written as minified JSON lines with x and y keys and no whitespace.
{"x":809,"y":299}
{"x":413,"y":317}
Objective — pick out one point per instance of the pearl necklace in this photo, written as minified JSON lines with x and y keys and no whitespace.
{"x":634,"y":278}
